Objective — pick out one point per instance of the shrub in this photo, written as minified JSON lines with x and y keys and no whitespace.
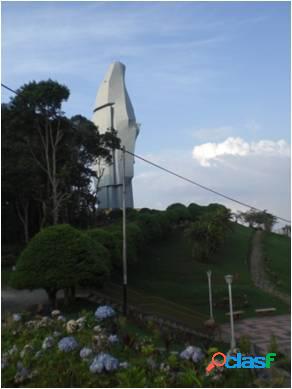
{"x":195,"y":211}
{"x":106,"y":239}
{"x":177,"y":213}
{"x":150,"y":226}
{"x":60,"y":257}
{"x":135,"y":242}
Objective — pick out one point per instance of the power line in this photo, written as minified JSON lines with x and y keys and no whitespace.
{"x":185,"y":178}
{"x":201,"y":186}
{"x":11,"y":90}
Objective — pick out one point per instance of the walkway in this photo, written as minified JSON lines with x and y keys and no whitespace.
{"x":260,"y":330}
{"x":13,"y":300}
{"x":257,"y":269}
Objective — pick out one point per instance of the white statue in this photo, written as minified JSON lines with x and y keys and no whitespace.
{"x":113,"y":109}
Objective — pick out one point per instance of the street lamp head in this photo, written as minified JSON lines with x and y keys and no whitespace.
{"x":103,"y":106}
{"x":228,"y":279}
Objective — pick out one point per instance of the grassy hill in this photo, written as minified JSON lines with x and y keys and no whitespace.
{"x":167,"y":271}
{"x":277,"y":249}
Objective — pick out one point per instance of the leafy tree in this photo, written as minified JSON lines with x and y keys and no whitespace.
{"x":150,"y":226}
{"x":195,"y":211}
{"x":259,"y":219}
{"x":177,"y":213}
{"x":61,"y":257}
{"x":208,"y":233}
{"x":106,"y":238}
{"x":48,"y":164}
{"x":287,"y":230}
{"x":20,"y":178}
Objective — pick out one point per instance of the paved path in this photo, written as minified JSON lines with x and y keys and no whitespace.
{"x":14,"y":300}
{"x":260,"y":330}
{"x":257,"y":269}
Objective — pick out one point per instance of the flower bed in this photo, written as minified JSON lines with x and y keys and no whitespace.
{"x":103,"y":349}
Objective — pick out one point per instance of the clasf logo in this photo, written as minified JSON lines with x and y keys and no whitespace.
{"x":240,"y":361}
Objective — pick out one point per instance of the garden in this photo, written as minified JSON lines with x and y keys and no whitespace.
{"x":102,"y":348}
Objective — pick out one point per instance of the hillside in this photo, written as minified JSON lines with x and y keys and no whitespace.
{"x":168,"y":271}
{"x":277,"y":251}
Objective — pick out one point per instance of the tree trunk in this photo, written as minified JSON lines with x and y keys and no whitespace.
{"x":55,"y":205}
{"x":72,"y":293}
{"x":52,"y":293}
{"x":23,"y":216}
{"x":66,"y":297}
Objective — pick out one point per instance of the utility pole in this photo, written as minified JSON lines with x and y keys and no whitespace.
{"x":115,"y":193}
{"x":125,"y":277}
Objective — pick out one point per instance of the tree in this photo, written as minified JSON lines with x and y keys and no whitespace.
{"x":208,"y":233}
{"x":40,"y":105}
{"x":21,"y":181}
{"x":60,"y":257}
{"x":259,"y":219}
{"x":177,"y":213}
{"x":49,"y":159}
{"x":287,"y":230}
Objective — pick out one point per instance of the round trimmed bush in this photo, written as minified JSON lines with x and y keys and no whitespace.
{"x":60,"y":257}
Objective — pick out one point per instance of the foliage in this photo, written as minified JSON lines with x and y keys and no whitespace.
{"x":25,"y":351}
{"x":245,"y":344}
{"x":106,"y":239}
{"x":177,"y":213}
{"x":60,"y":257}
{"x":259,"y":219}
{"x":134,"y":377}
{"x":48,"y":160}
{"x":208,"y":233}
{"x":273,"y":346}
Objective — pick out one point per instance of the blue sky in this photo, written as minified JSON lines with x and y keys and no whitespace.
{"x":196,"y":73}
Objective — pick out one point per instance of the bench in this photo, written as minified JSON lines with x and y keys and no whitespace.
{"x":265,"y":310}
{"x":236,"y":314}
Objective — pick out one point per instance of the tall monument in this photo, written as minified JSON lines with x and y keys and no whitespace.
{"x":113,"y":109}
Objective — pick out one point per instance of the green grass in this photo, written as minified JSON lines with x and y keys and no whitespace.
{"x":277,"y":250}
{"x":168,"y":272}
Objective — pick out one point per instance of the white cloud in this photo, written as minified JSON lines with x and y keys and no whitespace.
{"x":208,"y":152}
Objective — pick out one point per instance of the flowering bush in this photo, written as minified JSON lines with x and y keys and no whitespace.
{"x":193,"y":353}
{"x":86,"y":353}
{"x":114,"y":353}
{"x":104,"y":362}
{"x":104,"y":312}
{"x":68,"y":344}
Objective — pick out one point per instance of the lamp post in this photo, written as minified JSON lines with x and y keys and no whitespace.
{"x":114,"y":164}
{"x":125,"y":277}
{"x":228,"y":279}
{"x":209,"y":275}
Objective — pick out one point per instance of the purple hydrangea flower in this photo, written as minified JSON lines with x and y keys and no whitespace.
{"x":191,"y":352}
{"x":48,"y":343}
{"x":113,"y":339}
{"x":102,"y":362}
{"x":104,"y":311}
{"x":69,"y":343}
{"x":85,"y":353}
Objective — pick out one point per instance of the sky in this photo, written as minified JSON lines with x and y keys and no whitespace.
{"x":209,"y":82}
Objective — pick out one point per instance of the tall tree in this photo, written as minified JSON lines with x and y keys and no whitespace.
{"x":49,"y":158}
